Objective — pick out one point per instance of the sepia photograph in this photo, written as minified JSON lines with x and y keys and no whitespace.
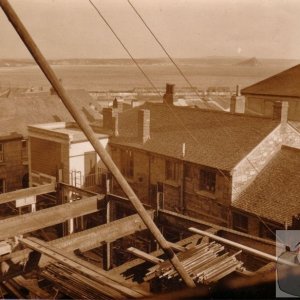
{"x":149,"y":149}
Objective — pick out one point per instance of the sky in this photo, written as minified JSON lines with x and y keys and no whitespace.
{"x":187,"y":28}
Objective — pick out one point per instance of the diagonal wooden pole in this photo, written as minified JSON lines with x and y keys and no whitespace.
{"x":85,"y":127}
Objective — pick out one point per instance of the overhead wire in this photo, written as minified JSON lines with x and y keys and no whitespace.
{"x":157,"y":91}
{"x":189,"y":83}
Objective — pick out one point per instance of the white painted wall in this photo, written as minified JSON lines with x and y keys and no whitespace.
{"x":77,"y":151}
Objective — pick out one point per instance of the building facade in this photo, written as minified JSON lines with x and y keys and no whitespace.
{"x":13,"y":163}
{"x":61,"y":150}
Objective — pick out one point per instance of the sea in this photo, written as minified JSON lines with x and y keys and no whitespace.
{"x":120,"y":76}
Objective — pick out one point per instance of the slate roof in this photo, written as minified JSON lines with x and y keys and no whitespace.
{"x":275,"y":192}
{"x":29,"y":109}
{"x":212,"y":138}
{"x":285,"y":83}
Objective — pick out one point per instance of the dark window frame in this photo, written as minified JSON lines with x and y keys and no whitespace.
{"x":171,"y":170}
{"x":1,"y":152}
{"x":188,"y":171}
{"x":207,"y":180}
{"x":265,"y":230}
{"x":127,"y":163}
{"x":240,"y":222}
{"x":2,"y":186}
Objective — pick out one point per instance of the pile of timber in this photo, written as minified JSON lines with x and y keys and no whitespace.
{"x":205,"y":263}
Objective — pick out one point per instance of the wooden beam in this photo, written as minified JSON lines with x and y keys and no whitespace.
{"x":33,"y":191}
{"x":92,"y":138}
{"x":32,"y":286}
{"x":81,"y":268}
{"x":183,"y":222}
{"x":145,"y":256}
{"x":97,"y":236}
{"x":177,"y":247}
{"x":130,"y":264}
{"x":242,"y":247}
{"x":26,"y":223}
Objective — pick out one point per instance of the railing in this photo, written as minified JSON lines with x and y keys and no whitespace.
{"x":86,"y":181}
{"x":38,"y":178}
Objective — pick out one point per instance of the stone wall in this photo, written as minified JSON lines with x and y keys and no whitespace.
{"x":247,"y":169}
{"x":12,"y":169}
{"x":46,"y":156}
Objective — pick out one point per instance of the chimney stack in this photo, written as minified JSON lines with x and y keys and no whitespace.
{"x":144,"y":125}
{"x":115,"y":125}
{"x":237,"y":102}
{"x":238,"y":92}
{"x":118,"y":105}
{"x":110,"y":120}
{"x":280,"y":111}
{"x":169,"y":95}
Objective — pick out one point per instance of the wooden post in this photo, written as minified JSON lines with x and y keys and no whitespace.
{"x":88,"y":131}
{"x":108,"y":264}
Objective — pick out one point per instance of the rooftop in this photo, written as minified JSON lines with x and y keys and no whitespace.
{"x":285,"y":84}
{"x":65,"y":130}
{"x":16,"y":113}
{"x":212,"y":138}
{"x":264,"y":197}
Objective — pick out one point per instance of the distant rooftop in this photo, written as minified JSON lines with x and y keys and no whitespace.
{"x":17,"y":112}
{"x":284,"y":84}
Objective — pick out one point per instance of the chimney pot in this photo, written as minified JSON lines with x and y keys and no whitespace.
{"x":238,"y":92}
{"x":118,"y":105}
{"x":110,"y":119}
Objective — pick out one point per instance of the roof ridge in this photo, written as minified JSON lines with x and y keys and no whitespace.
{"x":268,"y":78}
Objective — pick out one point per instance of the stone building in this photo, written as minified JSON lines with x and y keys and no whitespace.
{"x":226,"y":168}
{"x":202,"y":163}
{"x":284,"y":86}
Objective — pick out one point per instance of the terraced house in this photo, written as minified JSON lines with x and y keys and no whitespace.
{"x":227,"y":168}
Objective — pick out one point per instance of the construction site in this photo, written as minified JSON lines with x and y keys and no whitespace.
{"x":95,"y":246}
{"x":62,"y":241}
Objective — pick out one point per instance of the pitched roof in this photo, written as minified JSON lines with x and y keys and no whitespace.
{"x":275,"y":193}
{"x":212,"y":138}
{"x":285,"y":83}
{"x":18,"y":112}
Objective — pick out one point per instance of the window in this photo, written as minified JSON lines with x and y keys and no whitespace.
{"x":240,"y":222}
{"x":1,"y":152}
{"x":207,"y":180}
{"x":2,"y":186}
{"x":171,"y":170}
{"x":127,"y":163}
{"x":24,"y":144}
{"x":188,"y":171}
{"x":268,"y":231}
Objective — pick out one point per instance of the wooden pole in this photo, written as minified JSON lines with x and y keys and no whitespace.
{"x":241,"y":246}
{"x":49,"y":73}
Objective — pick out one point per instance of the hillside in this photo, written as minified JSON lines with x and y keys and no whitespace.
{"x":252,"y":62}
